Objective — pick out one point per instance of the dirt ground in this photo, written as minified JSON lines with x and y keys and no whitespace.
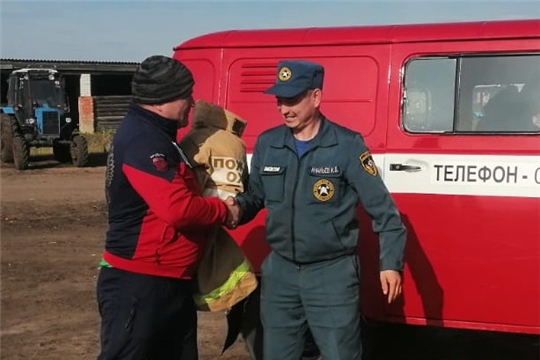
{"x":53,"y":223}
{"x":52,"y":230}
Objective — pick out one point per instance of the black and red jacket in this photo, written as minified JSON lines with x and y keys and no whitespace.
{"x":158,"y":221}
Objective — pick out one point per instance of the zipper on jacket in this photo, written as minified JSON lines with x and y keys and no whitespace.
{"x":294,"y":207}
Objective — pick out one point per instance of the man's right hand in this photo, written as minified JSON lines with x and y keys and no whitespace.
{"x":234,"y":213}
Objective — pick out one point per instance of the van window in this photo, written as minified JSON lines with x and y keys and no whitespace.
{"x":472,"y":94}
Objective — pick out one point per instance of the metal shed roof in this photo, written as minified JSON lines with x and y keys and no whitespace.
{"x":67,"y":66}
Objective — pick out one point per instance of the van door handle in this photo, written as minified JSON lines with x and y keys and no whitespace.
{"x":404,"y":167}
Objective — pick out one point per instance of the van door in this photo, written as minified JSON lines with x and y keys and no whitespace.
{"x":463,"y":164}
{"x":354,"y":87}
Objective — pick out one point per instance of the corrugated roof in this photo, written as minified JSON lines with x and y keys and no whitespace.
{"x":67,"y":61}
{"x":71,"y":66}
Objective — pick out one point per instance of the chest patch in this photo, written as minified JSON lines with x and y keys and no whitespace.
{"x":271,"y":169}
{"x":323,"y":190}
{"x":159,"y":162}
{"x":324,"y":170}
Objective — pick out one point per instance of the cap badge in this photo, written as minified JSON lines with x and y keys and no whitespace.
{"x":284,"y":74}
{"x":323,"y":190}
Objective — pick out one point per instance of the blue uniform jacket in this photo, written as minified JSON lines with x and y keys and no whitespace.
{"x":312,"y":201}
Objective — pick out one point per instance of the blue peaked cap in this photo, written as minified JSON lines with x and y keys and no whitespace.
{"x":295,"y":76}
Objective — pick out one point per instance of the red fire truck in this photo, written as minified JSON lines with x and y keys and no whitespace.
{"x":451,"y":113}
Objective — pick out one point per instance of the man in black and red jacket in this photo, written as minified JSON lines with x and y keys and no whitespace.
{"x":158,"y":223}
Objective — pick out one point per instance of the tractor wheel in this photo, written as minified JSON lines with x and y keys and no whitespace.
{"x":79,"y":151}
{"x":61,"y":152}
{"x":6,"y":139}
{"x":21,"y":153}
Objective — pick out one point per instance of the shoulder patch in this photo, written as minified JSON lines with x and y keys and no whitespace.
{"x":368,"y":164}
{"x":159,"y":162}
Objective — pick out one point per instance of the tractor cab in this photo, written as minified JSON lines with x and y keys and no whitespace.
{"x":37,"y":99}
{"x":37,"y":115}
{"x":37,"y":86}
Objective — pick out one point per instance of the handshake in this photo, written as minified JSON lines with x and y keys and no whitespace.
{"x":234,"y":213}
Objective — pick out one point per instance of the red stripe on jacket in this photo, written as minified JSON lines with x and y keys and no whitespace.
{"x":174,"y":231}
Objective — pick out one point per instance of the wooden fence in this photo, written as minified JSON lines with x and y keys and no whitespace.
{"x":109,"y":111}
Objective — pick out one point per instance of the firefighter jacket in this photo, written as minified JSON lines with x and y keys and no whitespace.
{"x":312,"y":201}
{"x":224,"y":275}
{"x":214,"y":144}
{"x":158,"y":219}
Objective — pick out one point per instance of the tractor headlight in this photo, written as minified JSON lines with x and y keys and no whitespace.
{"x":68,"y":120}
{"x":31,"y":121}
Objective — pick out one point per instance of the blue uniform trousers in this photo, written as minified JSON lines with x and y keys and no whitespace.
{"x":323,"y":296}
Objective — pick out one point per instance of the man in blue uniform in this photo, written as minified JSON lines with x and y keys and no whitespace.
{"x":310,"y":174}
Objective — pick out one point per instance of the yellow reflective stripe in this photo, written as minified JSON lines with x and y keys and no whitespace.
{"x":234,"y":279}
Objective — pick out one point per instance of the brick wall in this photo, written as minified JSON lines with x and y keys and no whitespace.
{"x":86,"y":114}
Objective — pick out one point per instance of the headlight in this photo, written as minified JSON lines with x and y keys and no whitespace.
{"x":68,"y":120}
{"x":31,"y":121}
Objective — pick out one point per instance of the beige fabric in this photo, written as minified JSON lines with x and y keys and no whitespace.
{"x":218,"y":154}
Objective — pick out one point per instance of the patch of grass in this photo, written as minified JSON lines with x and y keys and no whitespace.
{"x":42,"y":151}
{"x":99,"y":142}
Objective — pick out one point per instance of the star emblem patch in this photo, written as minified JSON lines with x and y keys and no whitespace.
{"x":323,"y":190}
{"x":284,"y":74}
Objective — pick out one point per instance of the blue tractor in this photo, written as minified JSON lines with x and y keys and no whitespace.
{"x":36,"y":115}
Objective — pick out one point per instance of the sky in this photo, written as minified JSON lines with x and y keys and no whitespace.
{"x":131,"y":30}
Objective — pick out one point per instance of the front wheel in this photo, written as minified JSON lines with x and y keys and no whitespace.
{"x":21,"y":153}
{"x":6,"y":139}
{"x":79,"y":151}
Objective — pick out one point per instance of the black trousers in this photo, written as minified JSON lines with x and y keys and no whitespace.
{"x":146,"y":317}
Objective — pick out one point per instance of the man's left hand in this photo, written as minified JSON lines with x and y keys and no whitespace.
{"x":391,"y":284}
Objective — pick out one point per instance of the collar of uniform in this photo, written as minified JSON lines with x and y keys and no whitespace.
{"x":325,"y":137}
{"x":167,"y":125}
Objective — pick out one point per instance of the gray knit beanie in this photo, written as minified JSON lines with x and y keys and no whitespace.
{"x":160,"y":79}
